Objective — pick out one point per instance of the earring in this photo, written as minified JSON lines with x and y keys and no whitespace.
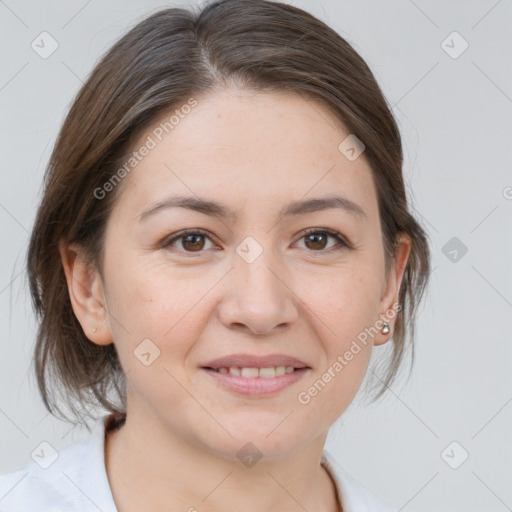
{"x":94,"y":330}
{"x":385,"y":327}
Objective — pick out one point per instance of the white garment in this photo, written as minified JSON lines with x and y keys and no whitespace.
{"x":77,"y":482}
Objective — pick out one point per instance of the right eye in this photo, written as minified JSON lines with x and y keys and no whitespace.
{"x":191,"y":240}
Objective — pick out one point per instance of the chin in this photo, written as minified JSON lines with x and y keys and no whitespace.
{"x":266,"y":435}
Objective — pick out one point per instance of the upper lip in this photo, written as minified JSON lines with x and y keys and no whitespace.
{"x":253,"y":361}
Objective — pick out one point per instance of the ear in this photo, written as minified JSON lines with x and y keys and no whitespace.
{"x":86,"y":293}
{"x":391,"y":290}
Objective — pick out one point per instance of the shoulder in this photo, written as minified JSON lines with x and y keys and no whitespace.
{"x":45,"y":485}
{"x":354,"y":496}
{"x":61,"y":481}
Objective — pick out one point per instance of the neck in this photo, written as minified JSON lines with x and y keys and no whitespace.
{"x":163,"y":472}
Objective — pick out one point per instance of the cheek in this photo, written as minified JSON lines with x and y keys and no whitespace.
{"x":346,"y":298}
{"x":345,"y":309}
{"x":142,"y":306}
{"x":155,"y":327}
{"x":149,"y":298}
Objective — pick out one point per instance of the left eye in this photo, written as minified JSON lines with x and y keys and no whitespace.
{"x":194,"y":240}
{"x":318,"y":238}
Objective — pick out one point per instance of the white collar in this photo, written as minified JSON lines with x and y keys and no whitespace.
{"x":353,"y":496}
{"x":77,"y":481}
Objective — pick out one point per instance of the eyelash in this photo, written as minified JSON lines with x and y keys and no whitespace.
{"x":342,"y":242}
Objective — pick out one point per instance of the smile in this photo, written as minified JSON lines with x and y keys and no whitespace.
{"x":265,"y":373}
{"x":255,"y":381}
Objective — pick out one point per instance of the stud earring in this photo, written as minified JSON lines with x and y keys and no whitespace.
{"x":94,"y":330}
{"x":385,"y":327}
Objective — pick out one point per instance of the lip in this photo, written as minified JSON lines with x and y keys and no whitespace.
{"x":256,"y":386}
{"x":253,"y":361}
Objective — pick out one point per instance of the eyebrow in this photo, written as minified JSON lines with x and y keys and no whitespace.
{"x":220,"y":211}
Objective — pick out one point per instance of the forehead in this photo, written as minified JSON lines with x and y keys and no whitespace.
{"x":247,"y":147}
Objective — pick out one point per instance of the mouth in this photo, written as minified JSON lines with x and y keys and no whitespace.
{"x":256,"y":381}
{"x":249,"y":372}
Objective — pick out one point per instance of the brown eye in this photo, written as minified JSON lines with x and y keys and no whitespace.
{"x":192,"y":242}
{"x":189,"y":241}
{"x":316,"y":240}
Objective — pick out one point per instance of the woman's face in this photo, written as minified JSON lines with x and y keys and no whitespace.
{"x":251,"y":282}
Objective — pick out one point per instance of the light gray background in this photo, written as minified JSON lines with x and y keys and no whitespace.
{"x":455,"y":116}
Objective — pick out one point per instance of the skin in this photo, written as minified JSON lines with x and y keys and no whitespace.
{"x":253,"y":152}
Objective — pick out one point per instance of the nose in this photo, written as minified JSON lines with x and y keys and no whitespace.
{"x":258,"y":298}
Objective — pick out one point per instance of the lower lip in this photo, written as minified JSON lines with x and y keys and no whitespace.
{"x":256,"y":386}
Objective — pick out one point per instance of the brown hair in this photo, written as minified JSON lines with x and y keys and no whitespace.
{"x":162,"y":61}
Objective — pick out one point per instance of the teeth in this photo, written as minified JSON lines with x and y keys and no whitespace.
{"x":266,"y":373}
{"x":281,"y":370}
{"x":250,"y":373}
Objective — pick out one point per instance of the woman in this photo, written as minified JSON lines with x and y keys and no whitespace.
{"x":224,"y":236}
